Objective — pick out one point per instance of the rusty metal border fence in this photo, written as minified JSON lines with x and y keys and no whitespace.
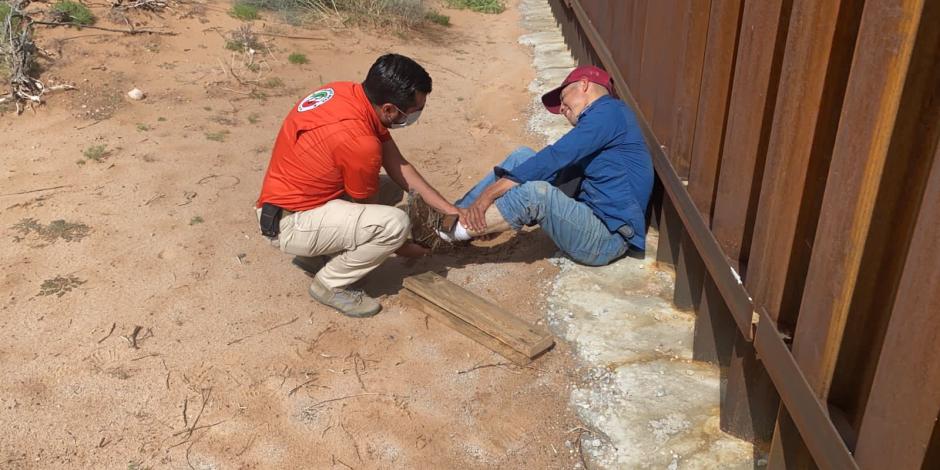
{"x":796,"y":150}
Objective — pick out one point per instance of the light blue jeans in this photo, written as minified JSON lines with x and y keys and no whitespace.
{"x":572,"y":225}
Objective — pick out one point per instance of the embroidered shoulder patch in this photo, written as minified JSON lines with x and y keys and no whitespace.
{"x":315,"y":99}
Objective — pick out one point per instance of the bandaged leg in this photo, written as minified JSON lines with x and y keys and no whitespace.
{"x":494,"y":223}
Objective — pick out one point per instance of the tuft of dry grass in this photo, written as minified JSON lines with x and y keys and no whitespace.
{"x":479,"y":6}
{"x":97,"y":152}
{"x":395,"y":14}
{"x":217,"y":136}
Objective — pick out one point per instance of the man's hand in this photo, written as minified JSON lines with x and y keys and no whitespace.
{"x":474,"y":217}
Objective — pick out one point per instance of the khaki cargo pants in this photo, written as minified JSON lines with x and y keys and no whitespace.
{"x":358,"y":236}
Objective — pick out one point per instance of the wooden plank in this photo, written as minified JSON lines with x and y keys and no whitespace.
{"x":480,"y":313}
{"x":720,"y":50}
{"x":412,"y":300}
{"x":756,"y":73}
{"x":691,"y":52}
{"x":904,"y":404}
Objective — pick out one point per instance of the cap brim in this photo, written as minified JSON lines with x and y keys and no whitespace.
{"x":552,"y":100}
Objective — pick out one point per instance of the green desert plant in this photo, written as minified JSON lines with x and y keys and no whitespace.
{"x":435,"y":17}
{"x":244,"y":11}
{"x":297,"y":58}
{"x":72,"y":12}
{"x":96,"y":152}
{"x":480,"y":6}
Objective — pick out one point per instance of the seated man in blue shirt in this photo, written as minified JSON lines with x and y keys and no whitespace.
{"x":602,"y":217}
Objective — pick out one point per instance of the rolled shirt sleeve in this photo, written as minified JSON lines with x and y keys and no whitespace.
{"x":591,"y":135}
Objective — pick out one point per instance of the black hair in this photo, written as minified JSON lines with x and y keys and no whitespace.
{"x":394,"y":78}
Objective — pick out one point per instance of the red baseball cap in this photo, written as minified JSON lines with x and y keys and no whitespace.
{"x":552,"y":99}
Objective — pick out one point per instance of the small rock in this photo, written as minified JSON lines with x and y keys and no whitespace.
{"x":136,"y":94}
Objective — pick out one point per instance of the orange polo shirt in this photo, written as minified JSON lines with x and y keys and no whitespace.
{"x":329,"y":144}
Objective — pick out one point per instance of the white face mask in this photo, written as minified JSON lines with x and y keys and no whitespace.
{"x":409,"y":119}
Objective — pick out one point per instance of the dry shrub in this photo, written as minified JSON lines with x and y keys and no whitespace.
{"x":396,"y":14}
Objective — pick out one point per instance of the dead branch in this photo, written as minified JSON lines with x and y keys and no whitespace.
{"x":145,"y":357}
{"x":294,"y":390}
{"x":336,"y":460}
{"x":306,"y":38}
{"x":342,"y":398}
{"x":205,"y":399}
{"x":483,"y":366}
{"x":210,"y":177}
{"x":35,"y":190}
{"x":185,"y":408}
{"x":19,"y":51}
{"x":356,"y":360}
{"x":101,"y":28}
{"x":250,"y":441}
{"x":133,"y":337}
{"x":239,"y":340}
{"x":329,"y":328}
{"x":148,"y":5}
{"x":88,"y":125}
{"x":353,"y":440}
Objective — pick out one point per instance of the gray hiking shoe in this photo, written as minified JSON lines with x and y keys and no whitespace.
{"x":351,"y":303}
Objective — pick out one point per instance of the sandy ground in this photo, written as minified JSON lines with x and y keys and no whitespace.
{"x":145,"y":322}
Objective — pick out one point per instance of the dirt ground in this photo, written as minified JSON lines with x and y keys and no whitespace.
{"x":147,"y":325}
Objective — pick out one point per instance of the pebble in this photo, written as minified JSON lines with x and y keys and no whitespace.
{"x":136,"y":94}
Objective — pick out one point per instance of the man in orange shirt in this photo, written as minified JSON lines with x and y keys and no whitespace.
{"x":318,"y":193}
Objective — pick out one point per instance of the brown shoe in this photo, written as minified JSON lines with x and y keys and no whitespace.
{"x":426,"y":222}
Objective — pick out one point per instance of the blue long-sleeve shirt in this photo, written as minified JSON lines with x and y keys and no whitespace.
{"x":608,"y":149}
